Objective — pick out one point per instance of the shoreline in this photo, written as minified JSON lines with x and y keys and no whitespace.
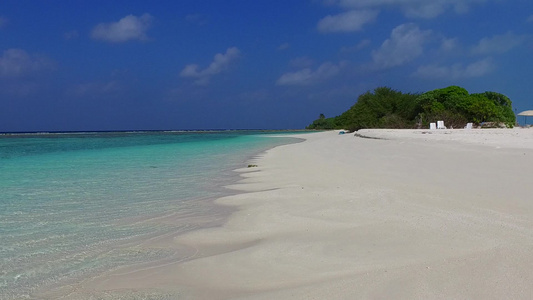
{"x":201,"y":213}
{"x":343,"y":217}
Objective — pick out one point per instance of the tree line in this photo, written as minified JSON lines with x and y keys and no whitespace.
{"x":388,"y":108}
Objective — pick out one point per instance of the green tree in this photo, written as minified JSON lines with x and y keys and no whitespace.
{"x":482,"y":109}
{"x":449,"y":104}
{"x":456,"y":107}
{"x":388,"y":108}
{"x":322,"y":123}
{"x":382,"y":108}
{"x":504,"y":106}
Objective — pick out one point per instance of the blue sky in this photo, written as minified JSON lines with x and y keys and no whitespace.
{"x":133,"y":65}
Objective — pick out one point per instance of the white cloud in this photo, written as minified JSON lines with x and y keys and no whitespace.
{"x":347,"y":21}
{"x":361,"y":45}
{"x":17,"y":63}
{"x":127,"y":28}
{"x":221,"y":62}
{"x":456,"y":71}
{"x":411,"y":8}
{"x":405,"y":44}
{"x":307,"y":76}
{"x":499,"y":43}
{"x":449,"y":44}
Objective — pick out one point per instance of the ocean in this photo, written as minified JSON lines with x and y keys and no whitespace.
{"x":73,"y":205}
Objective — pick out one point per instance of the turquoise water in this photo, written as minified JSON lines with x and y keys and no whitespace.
{"x":70,"y":202}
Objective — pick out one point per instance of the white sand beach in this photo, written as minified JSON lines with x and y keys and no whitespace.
{"x":416,"y":214}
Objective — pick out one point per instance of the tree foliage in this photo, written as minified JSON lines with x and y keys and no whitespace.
{"x":388,"y":108}
{"x":456,"y":107}
{"x":323,"y":123}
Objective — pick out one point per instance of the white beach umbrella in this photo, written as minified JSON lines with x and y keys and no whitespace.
{"x":526,"y":113}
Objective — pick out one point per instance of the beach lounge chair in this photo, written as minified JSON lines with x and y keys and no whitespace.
{"x":440,"y":125}
{"x":468,"y":126}
{"x":432,"y":126}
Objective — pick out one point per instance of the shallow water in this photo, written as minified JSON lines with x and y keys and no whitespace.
{"x":71,"y":203}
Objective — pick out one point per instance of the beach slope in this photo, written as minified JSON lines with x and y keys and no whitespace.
{"x":445,"y":214}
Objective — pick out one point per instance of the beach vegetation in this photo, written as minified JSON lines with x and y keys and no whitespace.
{"x":381,"y":108}
{"x":456,"y":107}
{"x":323,"y":123}
{"x":388,"y":108}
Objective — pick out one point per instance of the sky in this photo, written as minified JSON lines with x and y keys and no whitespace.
{"x":196,"y":64}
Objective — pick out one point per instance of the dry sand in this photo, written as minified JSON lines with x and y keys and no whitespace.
{"x":417,"y":215}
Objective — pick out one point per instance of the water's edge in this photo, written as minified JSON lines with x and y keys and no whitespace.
{"x":211,"y":215}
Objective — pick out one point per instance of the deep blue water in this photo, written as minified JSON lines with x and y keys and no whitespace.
{"x":70,"y":204}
